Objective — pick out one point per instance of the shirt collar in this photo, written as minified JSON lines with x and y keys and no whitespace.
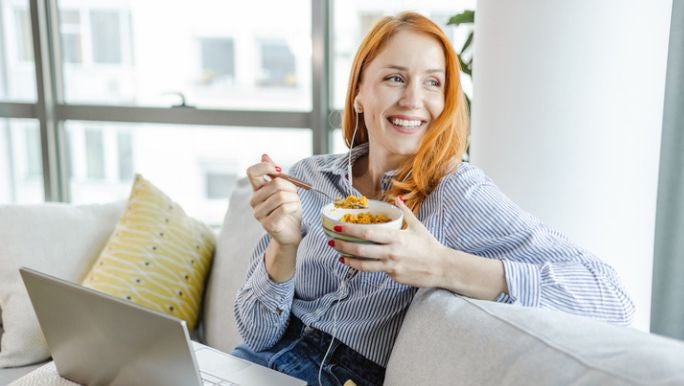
{"x":338,"y":165}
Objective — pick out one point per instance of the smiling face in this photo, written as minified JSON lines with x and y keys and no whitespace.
{"x":401,"y":93}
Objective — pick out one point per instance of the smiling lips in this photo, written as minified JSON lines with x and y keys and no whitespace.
{"x":406,"y":125}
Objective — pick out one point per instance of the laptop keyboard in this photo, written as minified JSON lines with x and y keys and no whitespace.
{"x":211,"y":380}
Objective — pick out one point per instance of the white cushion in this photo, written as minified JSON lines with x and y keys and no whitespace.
{"x":449,"y":340}
{"x":45,"y":375}
{"x":234,"y":246}
{"x":58,"y":239}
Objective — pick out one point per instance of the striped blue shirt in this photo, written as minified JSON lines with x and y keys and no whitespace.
{"x":465,"y":212}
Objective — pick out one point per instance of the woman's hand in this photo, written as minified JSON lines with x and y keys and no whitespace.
{"x":410,"y":256}
{"x":414,"y":257}
{"x":275,"y":203}
{"x":277,"y":207}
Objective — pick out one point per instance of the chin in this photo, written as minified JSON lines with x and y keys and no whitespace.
{"x":404,"y":149}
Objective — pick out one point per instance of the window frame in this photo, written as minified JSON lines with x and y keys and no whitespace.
{"x":51,"y":110}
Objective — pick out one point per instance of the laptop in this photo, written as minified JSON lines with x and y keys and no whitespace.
{"x":98,"y":339}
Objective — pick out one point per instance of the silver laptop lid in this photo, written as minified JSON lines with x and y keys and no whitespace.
{"x":97,"y":339}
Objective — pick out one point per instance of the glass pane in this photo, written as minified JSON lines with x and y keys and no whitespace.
{"x":214,"y":52}
{"x":197,"y":166}
{"x":338,"y":145}
{"x":353,"y":18}
{"x":21,"y":168}
{"x":17,"y":71}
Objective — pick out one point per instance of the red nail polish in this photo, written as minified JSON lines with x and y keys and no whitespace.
{"x":338,"y":228}
{"x":331,"y":243}
{"x":278,"y":169}
{"x":341,"y":259}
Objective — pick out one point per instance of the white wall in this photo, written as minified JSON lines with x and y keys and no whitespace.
{"x":567,"y":116}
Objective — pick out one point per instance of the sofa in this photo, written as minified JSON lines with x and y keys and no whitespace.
{"x":445,"y":339}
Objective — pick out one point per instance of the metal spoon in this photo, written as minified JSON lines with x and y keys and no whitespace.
{"x":302,"y":184}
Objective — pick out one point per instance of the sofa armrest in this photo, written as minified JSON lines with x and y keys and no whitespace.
{"x":447,"y":339}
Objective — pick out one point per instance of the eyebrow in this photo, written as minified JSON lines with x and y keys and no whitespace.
{"x":401,"y":68}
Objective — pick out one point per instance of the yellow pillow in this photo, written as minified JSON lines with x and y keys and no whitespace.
{"x":157,"y":257}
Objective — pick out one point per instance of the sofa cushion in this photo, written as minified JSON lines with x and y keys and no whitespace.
{"x":234,"y":247}
{"x":58,"y":239}
{"x":157,"y":257}
{"x":450,"y":340}
{"x":9,"y":375}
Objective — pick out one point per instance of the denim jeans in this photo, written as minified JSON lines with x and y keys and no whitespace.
{"x":300,"y":351}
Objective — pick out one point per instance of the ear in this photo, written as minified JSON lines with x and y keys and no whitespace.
{"x":357,"y":105}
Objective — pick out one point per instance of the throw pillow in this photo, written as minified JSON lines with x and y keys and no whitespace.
{"x":58,"y":239}
{"x":235,"y":244}
{"x":157,"y":257}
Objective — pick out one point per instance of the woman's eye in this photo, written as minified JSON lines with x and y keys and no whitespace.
{"x":394,"y":78}
{"x":433,"y":83}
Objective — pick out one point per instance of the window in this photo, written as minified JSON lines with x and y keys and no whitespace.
{"x":124,"y":143}
{"x":367,"y":19}
{"x":218,"y":60}
{"x":220,"y":185}
{"x":106,"y":36}
{"x":34,"y":167}
{"x":17,"y":70}
{"x":95,"y":165}
{"x":20,"y":162}
{"x":195,"y":165}
{"x":72,"y":50}
{"x":130,"y":56}
{"x":277,"y":65}
{"x":24,"y":36}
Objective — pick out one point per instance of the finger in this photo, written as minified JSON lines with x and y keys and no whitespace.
{"x":273,"y":202}
{"x":364,"y":265}
{"x":376,"y":235}
{"x":270,"y":188}
{"x":256,"y":174}
{"x":409,"y":217}
{"x":276,"y":222}
{"x":266,"y":158}
{"x":368,"y":251}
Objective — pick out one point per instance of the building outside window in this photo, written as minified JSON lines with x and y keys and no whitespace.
{"x":217,"y":60}
{"x":95,"y":162}
{"x":24,"y":46}
{"x":277,"y":65}
{"x":106,"y":36}
{"x":72,"y":49}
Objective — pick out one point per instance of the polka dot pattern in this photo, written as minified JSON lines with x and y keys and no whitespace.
{"x":157,"y":256}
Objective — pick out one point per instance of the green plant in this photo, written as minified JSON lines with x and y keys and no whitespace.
{"x":465,"y":55}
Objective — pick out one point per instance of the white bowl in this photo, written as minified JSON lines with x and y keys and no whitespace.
{"x":331,"y":215}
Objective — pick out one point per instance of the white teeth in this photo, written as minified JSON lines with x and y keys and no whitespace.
{"x":405,"y":123}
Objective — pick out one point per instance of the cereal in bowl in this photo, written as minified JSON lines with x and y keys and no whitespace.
{"x":352,"y":202}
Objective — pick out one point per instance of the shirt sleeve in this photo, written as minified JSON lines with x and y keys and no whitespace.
{"x":542,"y":267}
{"x":262,"y":306}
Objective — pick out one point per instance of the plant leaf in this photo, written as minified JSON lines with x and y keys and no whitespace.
{"x":465,"y":17}
{"x":467,"y":42}
{"x":465,"y":67}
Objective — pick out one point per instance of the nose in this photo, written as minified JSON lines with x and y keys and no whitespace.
{"x":411,"y":97}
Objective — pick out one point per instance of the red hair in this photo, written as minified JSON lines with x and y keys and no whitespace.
{"x":444,"y":143}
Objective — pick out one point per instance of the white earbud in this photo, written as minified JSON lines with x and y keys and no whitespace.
{"x":357,"y":106}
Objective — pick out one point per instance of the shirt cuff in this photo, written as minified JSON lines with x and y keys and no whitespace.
{"x":276,"y":297}
{"x":524,"y":283}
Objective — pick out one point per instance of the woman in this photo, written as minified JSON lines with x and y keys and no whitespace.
{"x":406,"y":123}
